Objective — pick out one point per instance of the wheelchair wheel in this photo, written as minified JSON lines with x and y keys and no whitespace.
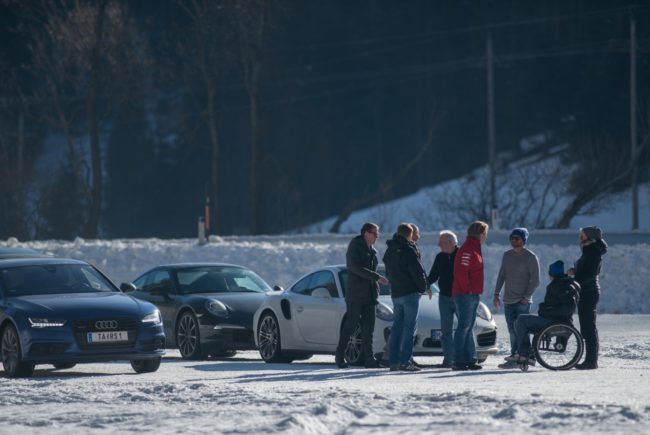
{"x":558,"y":346}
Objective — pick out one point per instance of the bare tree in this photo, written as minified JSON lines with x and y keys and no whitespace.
{"x":208,"y":54}
{"x":84,"y":52}
{"x":254,"y":21}
{"x":529,"y":194}
{"x":604,"y":166}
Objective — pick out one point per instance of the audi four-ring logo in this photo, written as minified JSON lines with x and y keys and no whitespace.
{"x":106,"y":324}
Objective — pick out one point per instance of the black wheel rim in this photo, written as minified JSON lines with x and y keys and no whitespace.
{"x":188,"y":335}
{"x":268,"y":338}
{"x":353,"y":348}
{"x":10,"y":350}
{"x":558,"y":347}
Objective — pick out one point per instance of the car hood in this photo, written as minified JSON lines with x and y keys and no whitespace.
{"x":429,"y":311}
{"x":245,"y":302}
{"x":428,"y":308}
{"x":82,"y":305}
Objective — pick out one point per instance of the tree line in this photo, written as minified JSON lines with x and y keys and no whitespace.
{"x":120,"y":118}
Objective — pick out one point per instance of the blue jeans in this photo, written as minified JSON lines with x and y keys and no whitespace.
{"x":512,"y":311}
{"x":464,"y":347}
{"x":528,"y":324}
{"x":447,"y":309}
{"x":405,"y":316}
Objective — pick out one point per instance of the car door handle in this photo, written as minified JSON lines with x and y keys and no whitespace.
{"x":299,"y":308}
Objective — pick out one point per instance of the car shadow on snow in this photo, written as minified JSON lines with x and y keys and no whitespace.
{"x":54,"y":374}
{"x":288,"y":372}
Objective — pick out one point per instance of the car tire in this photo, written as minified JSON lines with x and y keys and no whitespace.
{"x":269,"y":341}
{"x":12,"y":359}
{"x":63,"y":366}
{"x":146,"y":365}
{"x":188,"y":337}
{"x":354,"y":348}
{"x":481,"y":360}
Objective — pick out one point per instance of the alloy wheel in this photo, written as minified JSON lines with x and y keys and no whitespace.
{"x":10,"y":350}
{"x":11,"y":356}
{"x":187,"y":336}
{"x":268,"y":338}
{"x":354,"y":347}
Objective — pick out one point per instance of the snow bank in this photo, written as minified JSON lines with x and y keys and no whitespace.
{"x":625,"y":278}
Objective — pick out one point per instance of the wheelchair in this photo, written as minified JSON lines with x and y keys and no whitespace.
{"x":558,"y":346}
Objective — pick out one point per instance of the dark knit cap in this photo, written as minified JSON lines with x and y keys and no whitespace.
{"x":592,"y":233}
{"x":556,"y":269}
{"x":522,"y":233}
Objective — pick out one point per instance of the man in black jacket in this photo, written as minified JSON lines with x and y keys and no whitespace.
{"x":586,"y":273}
{"x":442,"y":271}
{"x":560,"y":301}
{"x":361,"y":293}
{"x":408,"y":282}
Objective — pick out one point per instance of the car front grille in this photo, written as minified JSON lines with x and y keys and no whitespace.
{"x":487,"y":338}
{"x":81,"y":328}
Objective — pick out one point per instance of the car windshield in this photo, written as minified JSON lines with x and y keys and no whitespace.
{"x":52,"y":279}
{"x":220,"y":279}
{"x":384,"y":290}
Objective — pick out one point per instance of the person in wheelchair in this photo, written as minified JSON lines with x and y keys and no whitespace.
{"x":560,"y":302}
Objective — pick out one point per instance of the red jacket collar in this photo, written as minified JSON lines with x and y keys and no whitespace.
{"x":473,"y":243}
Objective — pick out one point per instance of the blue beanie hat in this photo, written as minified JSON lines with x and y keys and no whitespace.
{"x":556,"y":269}
{"x":522,"y":233}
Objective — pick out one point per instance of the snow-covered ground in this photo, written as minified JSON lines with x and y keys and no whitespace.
{"x":244,"y":395}
{"x":280,"y":260}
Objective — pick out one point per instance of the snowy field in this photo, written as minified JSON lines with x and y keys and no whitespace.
{"x":244,"y":395}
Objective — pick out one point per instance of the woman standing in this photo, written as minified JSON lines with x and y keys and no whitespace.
{"x":586,"y":272}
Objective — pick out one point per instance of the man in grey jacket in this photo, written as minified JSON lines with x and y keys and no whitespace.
{"x":520,"y":273}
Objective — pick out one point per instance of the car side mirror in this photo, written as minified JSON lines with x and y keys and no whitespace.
{"x":321,"y":292}
{"x":278,"y":288}
{"x":127,"y":287}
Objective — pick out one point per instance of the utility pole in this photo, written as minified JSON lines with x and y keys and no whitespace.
{"x":21,"y":143}
{"x":491,"y":140}
{"x":633,"y":138}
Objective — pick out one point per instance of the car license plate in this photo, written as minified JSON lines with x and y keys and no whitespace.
{"x":436,"y":334}
{"x":107,"y":337}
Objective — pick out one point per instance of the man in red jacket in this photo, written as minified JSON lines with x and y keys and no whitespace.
{"x":466,"y":292}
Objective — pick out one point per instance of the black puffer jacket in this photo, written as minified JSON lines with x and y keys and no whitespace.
{"x":361,"y":260}
{"x":404,"y":270}
{"x":588,"y":265}
{"x":561,"y":299}
{"x":442,"y":271}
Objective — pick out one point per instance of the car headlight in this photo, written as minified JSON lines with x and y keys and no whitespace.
{"x":39,"y":322}
{"x":384,"y":312}
{"x":153,"y":318}
{"x":217,"y":308}
{"x":483,"y":312}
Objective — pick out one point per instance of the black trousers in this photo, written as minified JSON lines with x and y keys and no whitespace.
{"x":587,"y":316}
{"x":358,"y":313}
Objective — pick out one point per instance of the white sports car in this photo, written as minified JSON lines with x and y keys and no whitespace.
{"x":306,"y":319}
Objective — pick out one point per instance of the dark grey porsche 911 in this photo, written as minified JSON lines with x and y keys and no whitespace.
{"x":207,"y":308}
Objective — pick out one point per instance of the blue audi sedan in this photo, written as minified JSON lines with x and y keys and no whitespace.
{"x":63,"y":312}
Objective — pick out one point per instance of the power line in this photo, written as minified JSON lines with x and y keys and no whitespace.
{"x":477,"y":28}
